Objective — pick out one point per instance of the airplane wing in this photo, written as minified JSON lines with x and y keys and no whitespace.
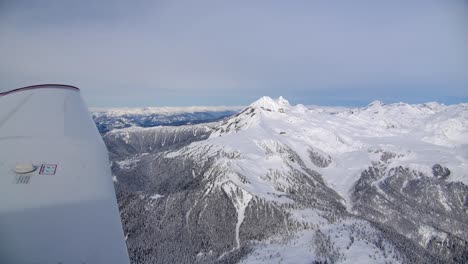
{"x":57,"y":199}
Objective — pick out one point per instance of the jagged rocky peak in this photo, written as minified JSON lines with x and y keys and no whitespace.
{"x":269,"y":104}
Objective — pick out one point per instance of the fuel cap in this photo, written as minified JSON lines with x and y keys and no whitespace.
{"x":24,"y":167}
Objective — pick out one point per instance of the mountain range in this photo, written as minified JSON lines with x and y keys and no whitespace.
{"x":275,"y":183}
{"x":107,"y":119}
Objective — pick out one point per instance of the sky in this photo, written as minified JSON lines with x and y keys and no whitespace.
{"x":180,"y":53}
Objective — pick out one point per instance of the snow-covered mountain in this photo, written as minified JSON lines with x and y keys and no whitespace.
{"x":292,"y":184}
{"x":107,"y":119}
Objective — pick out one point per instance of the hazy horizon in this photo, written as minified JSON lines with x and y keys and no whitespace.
{"x":221,"y":107}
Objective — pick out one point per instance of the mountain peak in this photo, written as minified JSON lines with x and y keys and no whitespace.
{"x":376,"y":103}
{"x":270,"y":104}
{"x":250,"y":116}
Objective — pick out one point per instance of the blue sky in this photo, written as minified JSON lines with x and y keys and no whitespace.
{"x":152,"y":53}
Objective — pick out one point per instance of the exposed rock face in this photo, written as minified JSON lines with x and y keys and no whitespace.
{"x":422,"y":208}
{"x":440,"y":172}
{"x":320,"y":160}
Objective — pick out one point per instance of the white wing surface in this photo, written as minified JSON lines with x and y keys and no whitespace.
{"x":57,"y":200}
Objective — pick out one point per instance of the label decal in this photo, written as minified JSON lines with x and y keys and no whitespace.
{"x":48,"y":169}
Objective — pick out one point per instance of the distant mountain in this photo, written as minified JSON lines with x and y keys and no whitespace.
{"x":275,"y":183}
{"x":115,"y":118}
